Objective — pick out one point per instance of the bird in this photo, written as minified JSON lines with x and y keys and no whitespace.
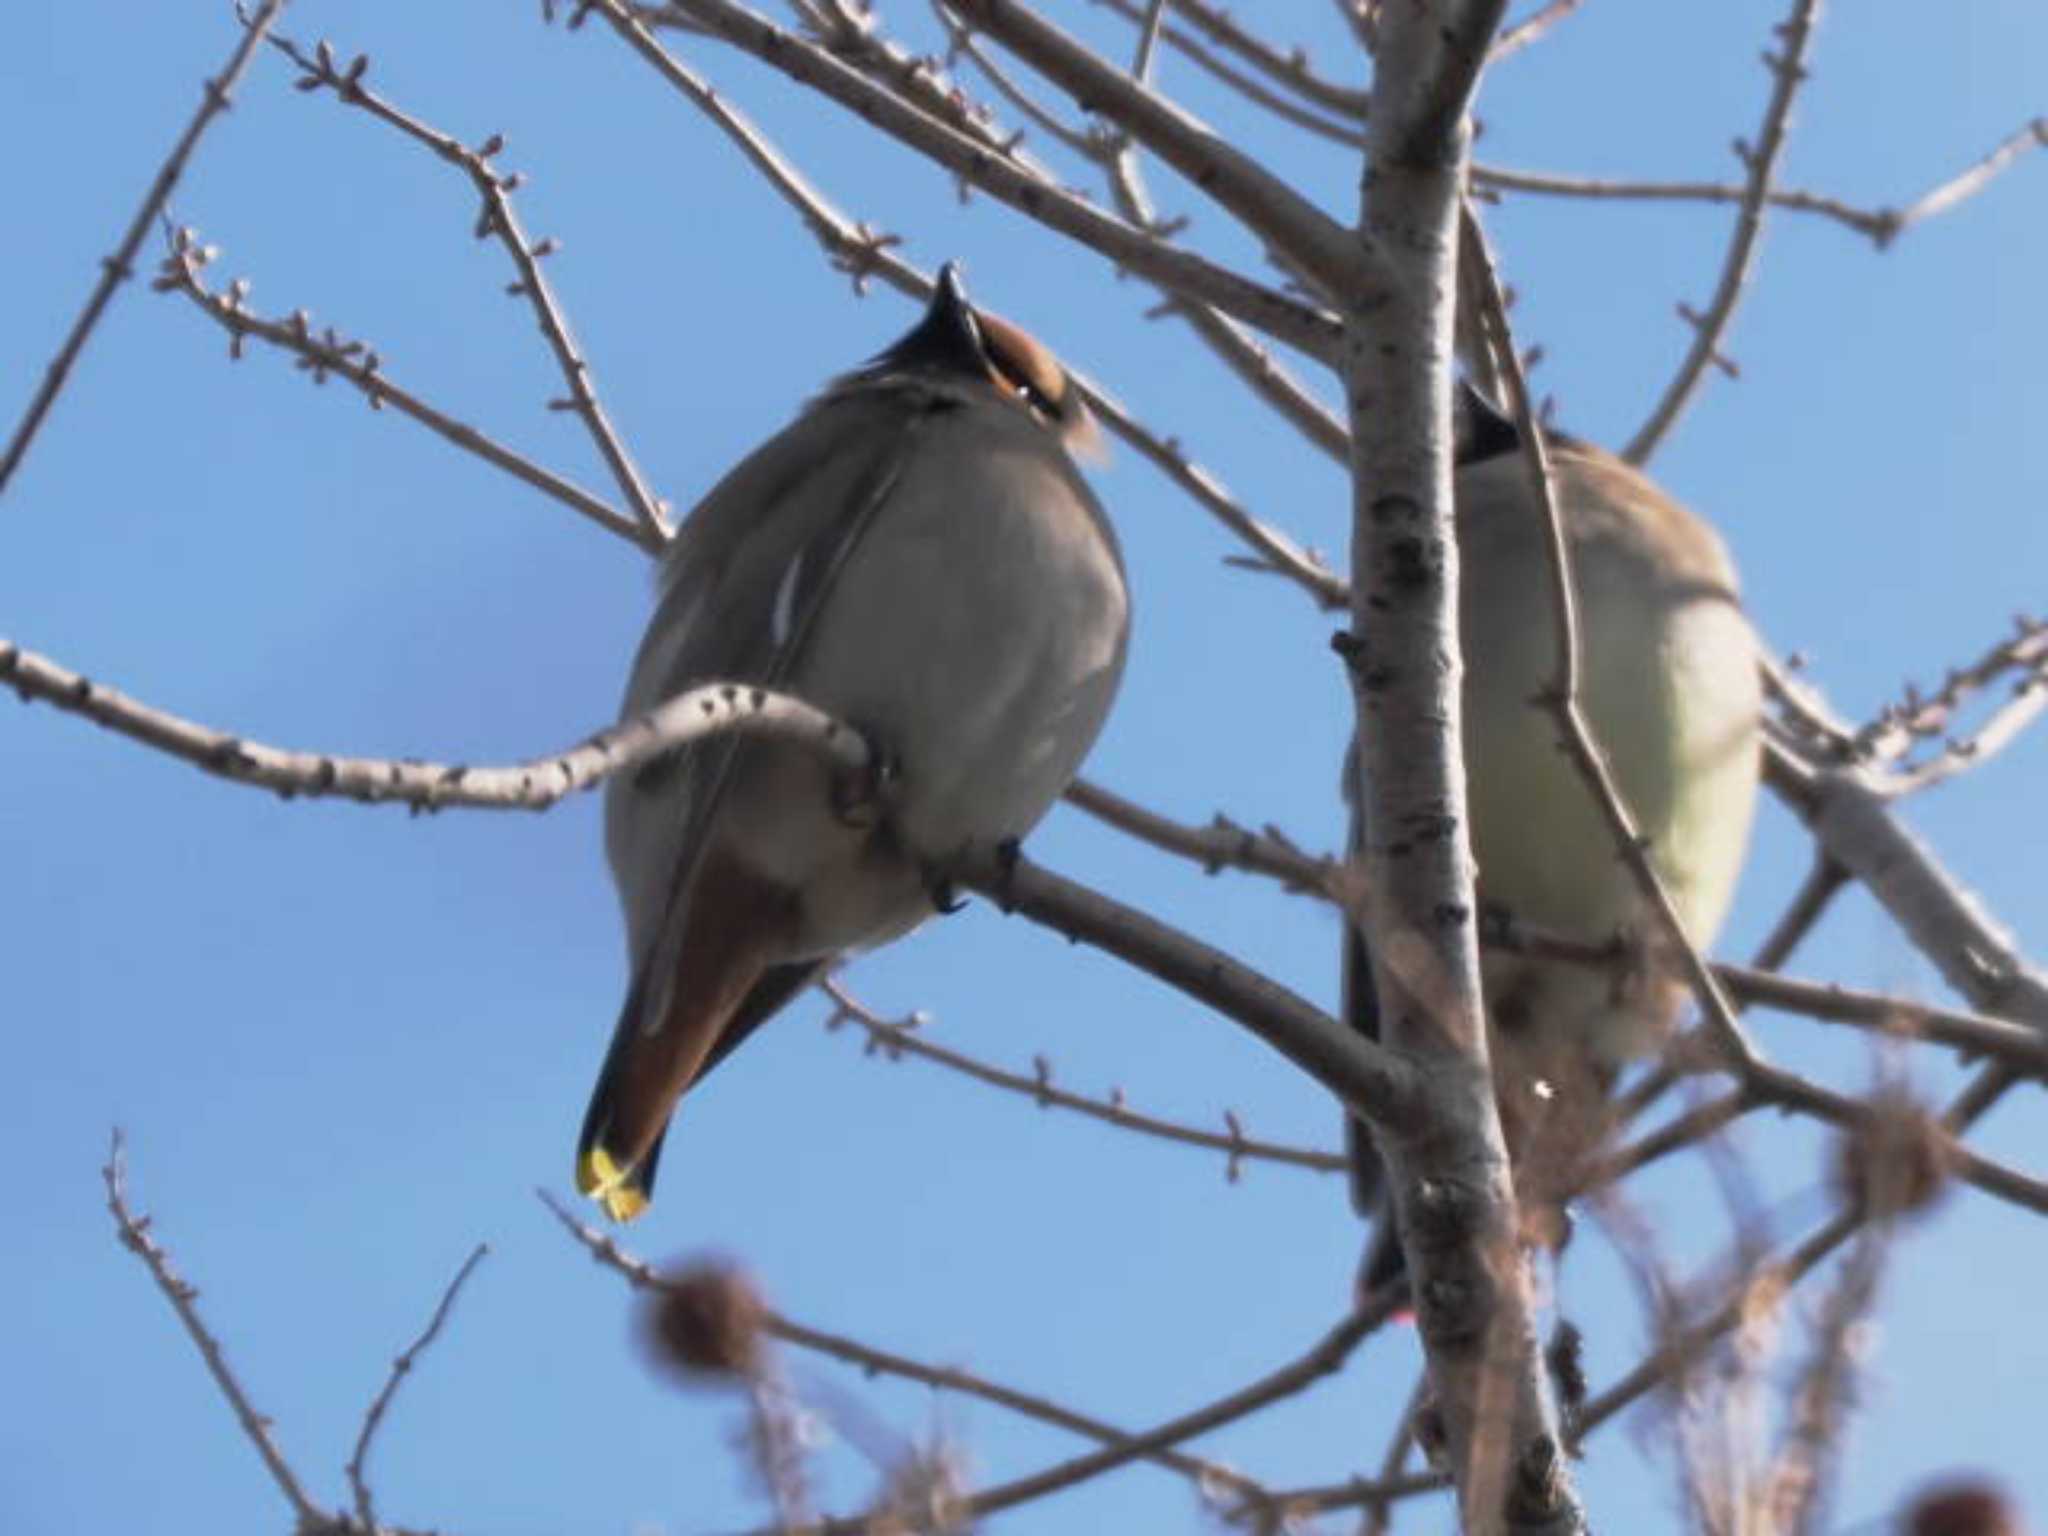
{"x":918,"y":556}
{"x":1669,"y":683}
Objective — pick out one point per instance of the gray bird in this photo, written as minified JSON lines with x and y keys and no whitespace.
{"x":918,"y":556}
{"x":1669,"y":684}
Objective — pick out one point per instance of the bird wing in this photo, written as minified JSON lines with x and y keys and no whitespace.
{"x":741,"y":589}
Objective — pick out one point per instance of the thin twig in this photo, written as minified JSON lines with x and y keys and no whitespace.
{"x":1788,"y":71}
{"x":1823,"y":882}
{"x":1279,"y":103}
{"x":1326,"y":1356}
{"x":499,"y":220}
{"x":1312,"y":329}
{"x":1671,"y":1360}
{"x":1282,"y":219}
{"x":1376,"y":1083}
{"x":1222,"y":844}
{"x":182,"y":1294}
{"x":864,"y":254}
{"x":1252,"y":363}
{"x":119,"y":267}
{"x":1873,"y":223}
{"x":854,"y":35}
{"x":1274,"y":551}
{"x":960,"y":40}
{"x":709,"y":709}
{"x":608,"y":1252}
{"x":899,"y":1037}
{"x":328,"y":354}
{"x":1796,"y":1483}
{"x":1530,"y":29}
{"x":1289,"y":66}
{"x":1323,"y":1358}
{"x":1941,"y":199}
{"x":1919,"y":717}
{"x":401,"y":1367}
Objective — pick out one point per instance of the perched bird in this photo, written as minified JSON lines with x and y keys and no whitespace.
{"x":1668,"y":679}
{"x":916,"y":555}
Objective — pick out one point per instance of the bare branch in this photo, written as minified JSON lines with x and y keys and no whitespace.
{"x":401,"y":1367}
{"x":1532,"y":28}
{"x":500,"y":221}
{"x":1873,"y":223}
{"x":1372,"y":1081}
{"x":1941,"y":199}
{"x":1222,"y":844}
{"x":901,"y":1037}
{"x":2022,"y":1048}
{"x":1301,"y":325}
{"x":1788,"y":71}
{"x":1278,"y":102}
{"x":961,"y":40}
{"x":1326,"y":1356}
{"x":1290,"y":67}
{"x":1253,"y":364}
{"x":1849,"y":810}
{"x":1303,"y":235}
{"x":863,"y":253}
{"x":1813,"y":1441}
{"x":182,"y":1295}
{"x":1673,"y":1359}
{"x":710,"y":709}
{"x":1823,"y":882}
{"x":1453,"y":1197}
{"x":609,"y":1253}
{"x":119,"y":267}
{"x":1922,"y":717}
{"x":1274,"y":550}
{"x":853,"y":34}
{"x":329,"y":354}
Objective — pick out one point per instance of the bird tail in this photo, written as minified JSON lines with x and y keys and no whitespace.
{"x":677,"y":1014}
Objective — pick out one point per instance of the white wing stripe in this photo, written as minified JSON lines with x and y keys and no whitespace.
{"x":785,"y":602}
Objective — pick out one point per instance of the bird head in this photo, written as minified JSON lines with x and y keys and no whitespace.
{"x":955,"y":340}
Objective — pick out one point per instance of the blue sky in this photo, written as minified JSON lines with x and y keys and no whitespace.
{"x":347,"y":1044}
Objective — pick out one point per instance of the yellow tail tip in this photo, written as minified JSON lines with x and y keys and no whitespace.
{"x":605,"y":1182}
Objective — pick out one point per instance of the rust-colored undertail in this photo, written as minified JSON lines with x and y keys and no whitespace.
{"x":721,"y":960}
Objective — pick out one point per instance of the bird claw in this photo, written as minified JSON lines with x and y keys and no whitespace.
{"x":861,"y":798}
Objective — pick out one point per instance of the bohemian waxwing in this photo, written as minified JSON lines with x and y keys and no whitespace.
{"x":917,"y":556}
{"x":1668,"y":679}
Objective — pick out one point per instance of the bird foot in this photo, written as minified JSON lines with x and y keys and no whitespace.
{"x":862,"y":798}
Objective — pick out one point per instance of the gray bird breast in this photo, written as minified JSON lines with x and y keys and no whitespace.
{"x":978,"y":633}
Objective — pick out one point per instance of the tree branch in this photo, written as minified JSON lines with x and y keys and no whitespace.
{"x":1222,"y":844}
{"x":1452,"y":1193}
{"x":901,"y":1037}
{"x":330,"y":354}
{"x":1306,"y":238}
{"x":1288,"y":319}
{"x":358,"y":1480}
{"x":1371,"y":1081}
{"x":609,"y":1253}
{"x":182,"y":1294}
{"x":119,"y":267}
{"x":499,"y":220}
{"x":711,"y":709}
